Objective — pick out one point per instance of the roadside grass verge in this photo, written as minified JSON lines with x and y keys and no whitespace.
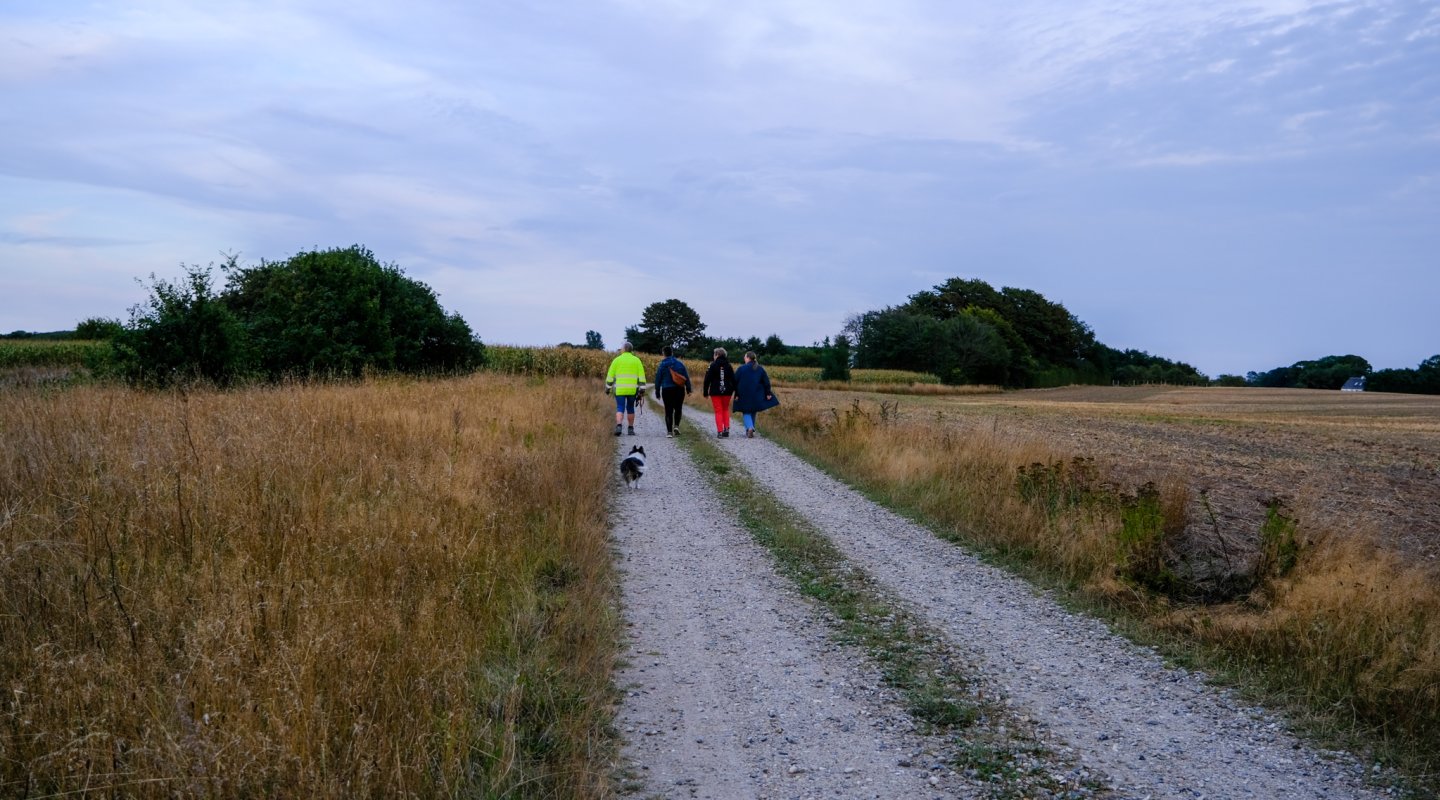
{"x":1344,"y":634}
{"x":394,"y":588}
{"x":987,"y":742}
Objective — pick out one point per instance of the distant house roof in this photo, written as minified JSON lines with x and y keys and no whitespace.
{"x":1356,"y":384}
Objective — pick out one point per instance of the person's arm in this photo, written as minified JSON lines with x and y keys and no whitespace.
{"x":765,"y":382}
{"x":610,"y":376}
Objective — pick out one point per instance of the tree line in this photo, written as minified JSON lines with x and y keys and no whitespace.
{"x":322,"y":313}
{"x":1331,"y":372}
{"x":340,"y":312}
{"x":967,"y":331}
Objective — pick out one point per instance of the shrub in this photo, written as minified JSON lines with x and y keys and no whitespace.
{"x":95,"y":328}
{"x":835,"y":360}
{"x":340,"y":312}
{"x":183,"y":332}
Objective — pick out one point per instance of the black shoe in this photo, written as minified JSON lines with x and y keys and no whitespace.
{"x":617,"y":429}
{"x":632,"y":430}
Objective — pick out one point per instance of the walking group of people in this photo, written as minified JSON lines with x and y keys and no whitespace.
{"x":747,"y":387}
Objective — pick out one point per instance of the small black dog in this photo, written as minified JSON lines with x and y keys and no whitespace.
{"x":633,"y":466}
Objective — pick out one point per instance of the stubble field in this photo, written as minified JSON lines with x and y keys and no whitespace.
{"x":1292,"y":534}
{"x":1364,"y":463}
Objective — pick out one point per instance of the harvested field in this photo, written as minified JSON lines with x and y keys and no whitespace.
{"x":1362,"y":462}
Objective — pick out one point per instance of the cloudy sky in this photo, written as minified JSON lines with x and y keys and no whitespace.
{"x":1238,"y":184}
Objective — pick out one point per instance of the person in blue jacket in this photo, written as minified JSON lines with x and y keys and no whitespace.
{"x":752,"y":392}
{"x":672,"y":383}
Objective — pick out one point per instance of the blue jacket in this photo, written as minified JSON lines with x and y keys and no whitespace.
{"x":752,"y":389}
{"x":663,"y":380}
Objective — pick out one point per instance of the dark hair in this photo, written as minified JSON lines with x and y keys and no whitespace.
{"x":667,"y":350}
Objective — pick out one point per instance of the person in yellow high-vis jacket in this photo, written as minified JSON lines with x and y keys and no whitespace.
{"x":626,"y":376}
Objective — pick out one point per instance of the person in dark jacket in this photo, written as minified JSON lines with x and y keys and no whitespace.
{"x":719,"y":386}
{"x":672,"y":383}
{"x":752,"y":392}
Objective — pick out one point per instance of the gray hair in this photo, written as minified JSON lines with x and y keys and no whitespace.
{"x":719,"y":351}
{"x":627,"y":347}
{"x":750,"y":356}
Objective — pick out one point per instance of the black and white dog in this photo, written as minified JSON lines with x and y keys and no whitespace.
{"x":633,"y":466}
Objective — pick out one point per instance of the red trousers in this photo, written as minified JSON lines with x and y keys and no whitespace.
{"x":722,"y":411}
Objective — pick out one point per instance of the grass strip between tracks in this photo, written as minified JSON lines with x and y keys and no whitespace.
{"x":987,"y":741}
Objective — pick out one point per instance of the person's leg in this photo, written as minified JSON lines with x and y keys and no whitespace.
{"x":721,"y":412}
{"x":673,"y":396}
{"x":630,"y":411}
{"x":749,"y":420}
{"x":726,"y":402}
{"x":619,"y":413}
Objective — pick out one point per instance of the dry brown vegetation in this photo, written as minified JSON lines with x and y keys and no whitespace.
{"x":388,"y":589}
{"x":1293,"y":529}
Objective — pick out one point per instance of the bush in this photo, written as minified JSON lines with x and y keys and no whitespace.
{"x":183,"y":332}
{"x":835,"y":360}
{"x":97,"y":328}
{"x":340,"y":312}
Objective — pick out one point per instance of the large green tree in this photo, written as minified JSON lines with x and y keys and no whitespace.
{"x":1047,"y":344}
{"x":671,"y":322}
{"x":341,"y":312}
{"x":960,"y":349}
{"x":1424,"y":379}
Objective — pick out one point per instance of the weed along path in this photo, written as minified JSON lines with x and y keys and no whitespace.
{"x":932,"y":675}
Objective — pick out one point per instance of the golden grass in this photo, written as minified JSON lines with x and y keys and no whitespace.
{"x":1353,"y":630}
{"x":388,"y":589}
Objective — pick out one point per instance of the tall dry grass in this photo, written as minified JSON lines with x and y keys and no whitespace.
{"x":393,"y":589}
{"x":1349,"y":628}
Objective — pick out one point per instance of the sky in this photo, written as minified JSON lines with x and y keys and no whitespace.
{"x":1235,"y":184}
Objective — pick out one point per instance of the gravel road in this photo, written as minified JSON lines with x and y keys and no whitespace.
{"x":733,"y":688}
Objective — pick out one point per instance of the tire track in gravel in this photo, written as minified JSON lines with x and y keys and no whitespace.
{"x":1157,"y":732}
{"x":732,"y":687}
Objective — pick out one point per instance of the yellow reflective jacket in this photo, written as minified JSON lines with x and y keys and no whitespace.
{"x":626,"y":374}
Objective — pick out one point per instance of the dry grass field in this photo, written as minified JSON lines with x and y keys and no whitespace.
{"x":1296,"y":530}
{"x":392,"y":589}
{"x":1369,"y":463}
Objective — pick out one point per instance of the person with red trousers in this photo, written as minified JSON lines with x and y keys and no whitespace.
{"x":719,"y":386}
